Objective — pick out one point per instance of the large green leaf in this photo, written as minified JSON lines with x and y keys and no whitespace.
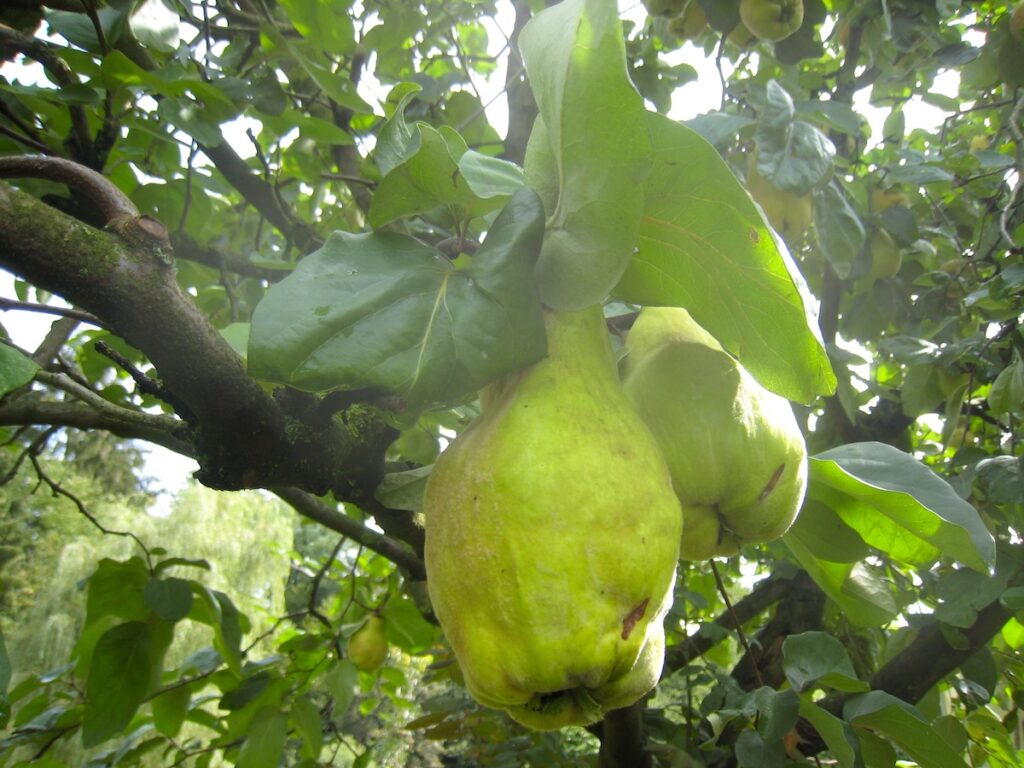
{"x":901,"y":723}
{"x":897,"y":505}
{"x":596,"y":154}
{"x":834,"y":732}
{"x":265,"y":740}
{"x":119,"y":677}
{"x":384,"y":310}
{"x":792,"y":154}
{"x":812,"y":658}
{"x":430,"y":176}
{"x":704,"y":246}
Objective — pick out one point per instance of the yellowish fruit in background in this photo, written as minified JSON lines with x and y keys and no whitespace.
{"x":979,"y":143}
{"x":552,"y":536}
{"x":883,"y":199}
{"x":789,"y":214}
{"x":665,"y":8}
{"x":690,"y":23}
{"x":772,"y":20}
{"x":1017,"y":22}
{"x":368,"y":645}
{"x":741,"y":37}
{"x":885,"y":255}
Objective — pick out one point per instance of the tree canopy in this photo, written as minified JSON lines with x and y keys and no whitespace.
{"x":294,"y":240}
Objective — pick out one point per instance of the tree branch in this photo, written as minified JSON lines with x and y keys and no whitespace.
{"x":400,"y":553}
{"x":160,"y":430}
{"x":765,"y":594}
{"x":111,"y":202}
{"x":242,"y":438}
{"x":261,"y":195}
{"x":623,"y":740}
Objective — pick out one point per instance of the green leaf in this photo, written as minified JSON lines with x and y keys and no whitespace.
{"x":265,"y":740}
{"x":156,"y":25}
{"x":395,"y":135}
{"x":170,"y":599}
{"x":777,"y":712}
{"x":839,"y":229}
{"x":340,"y":681}
{"x":894,"y":502}
{"x":116,"y":589}
{"x":383,"y":310}
{"x":792,"y":154}
{"x":307,"y":721}
{"x":753,"y":751}
{"x":170,"y":709}
{"x":812,"y":658}
{"x":898,"y":721}
{"x":216,"y":610}
{"x":837,"y":734}
{"x":965,"y":592}
{"x":597,"y":149}
{"x":327,"y":25}
{"x":488,"y":176}
{"x":428,"y":177}
{"x":78,"y":29}
{"x":860,"y":592}
{"x":707,"y":248}
{"x":404,"y":490}
{"x":826,"y":536}
{"x":334,"y":83}
{"x":406,"y":626}
{"x":119,"y":677}
{"x":1007,"y":393}
{"x":16,"y":369}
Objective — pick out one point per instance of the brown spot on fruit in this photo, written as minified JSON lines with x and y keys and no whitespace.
{"x":755,"y":238}
{"x":633,"y":617}
{"x":772,"y":483}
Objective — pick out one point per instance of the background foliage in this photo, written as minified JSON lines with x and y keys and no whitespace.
{"x":296,"y":150}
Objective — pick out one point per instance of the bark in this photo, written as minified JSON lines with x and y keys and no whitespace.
{"x":623,"y":740}
{"x":242,"y":438}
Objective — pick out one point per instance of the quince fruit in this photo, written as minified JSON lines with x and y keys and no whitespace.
{"x":689,"y":23}
{"x":772,"y":20}
{"x":552,"y":535}
{"x":737,"y":457}
{"x":665,"y":8}
{"x":885,"y":255}
{"x":368,"y":645}
{"x":789,"y":214}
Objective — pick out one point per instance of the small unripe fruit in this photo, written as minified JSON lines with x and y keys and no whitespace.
{"x":368,"y":646}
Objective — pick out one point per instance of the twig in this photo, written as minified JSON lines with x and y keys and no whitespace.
{"x":33,"y":449}
{"x":397,"y":552}
{"x":739,"y":627}
{"x":145,"y":384}
{"x":58,"y":490}
{"x":48,"y":309}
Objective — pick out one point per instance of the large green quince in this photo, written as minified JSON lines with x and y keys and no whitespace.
{"x":736,"y":453}
{"x":552,"y":535}
{"x":772,"y":20}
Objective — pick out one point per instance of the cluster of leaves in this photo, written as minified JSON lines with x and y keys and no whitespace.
{"x":914,"y":251}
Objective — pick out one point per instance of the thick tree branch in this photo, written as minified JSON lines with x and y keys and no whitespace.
{"x":242,"y":438}
{"x":160,"y":430}
{"x":396,"y":551}
{"x":111,"y":202}
{"x":623,"y":739}
{"x":765,"y":594}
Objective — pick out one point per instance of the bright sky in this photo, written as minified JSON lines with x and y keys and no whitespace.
{"x":170,"y":470}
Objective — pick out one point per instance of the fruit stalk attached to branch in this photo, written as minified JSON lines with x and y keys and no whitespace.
{"x":552,"y":535}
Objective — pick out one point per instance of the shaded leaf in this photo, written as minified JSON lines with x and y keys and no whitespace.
{"x":812,"y":658}
{"x":170,"y":709}
{"x":898,"y":721}
{"x":170,"y":599}
{"x":265,"y":740}
{"x":119,"y":676}
{"x":836,"y":733}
